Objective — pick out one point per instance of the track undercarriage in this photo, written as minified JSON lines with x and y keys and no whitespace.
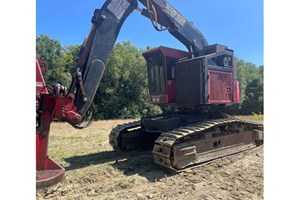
{"x":182,"y":141}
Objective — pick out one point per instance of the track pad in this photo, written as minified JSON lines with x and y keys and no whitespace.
{"x":91,"y":82}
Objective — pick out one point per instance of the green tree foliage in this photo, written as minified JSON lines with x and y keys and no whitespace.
{"x":69,"y":55}
{"x":246,"y":72}
{"x":253,"y":101}
{"x":50,"y":50}
{"x":250,"y":78}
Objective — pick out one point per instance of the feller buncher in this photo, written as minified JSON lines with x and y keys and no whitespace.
{"x":194,"y":81}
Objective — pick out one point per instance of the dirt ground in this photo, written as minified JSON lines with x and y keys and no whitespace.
{"x":95,"y":171}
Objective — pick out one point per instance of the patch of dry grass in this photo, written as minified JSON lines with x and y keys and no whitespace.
{"x":249,"y":117}
{"x":59,"y":128}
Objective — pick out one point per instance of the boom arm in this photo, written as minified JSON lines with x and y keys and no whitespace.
{"x":176,"y":24}
{"x":106,"y":24}
{"x":94,"y":53}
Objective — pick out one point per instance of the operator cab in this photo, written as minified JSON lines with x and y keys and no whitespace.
{"x":161,"y":73}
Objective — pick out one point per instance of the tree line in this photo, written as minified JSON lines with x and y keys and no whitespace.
{"x":123,"y":91}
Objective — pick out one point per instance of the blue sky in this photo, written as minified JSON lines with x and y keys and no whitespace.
{"x":237,"y":24}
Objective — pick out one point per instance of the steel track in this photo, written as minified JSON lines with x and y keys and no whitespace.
{"x":194,"y":144}
{"x":205,"y":141}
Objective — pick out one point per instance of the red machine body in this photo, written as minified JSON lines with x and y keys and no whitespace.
{"x":49,"y":106}
{"x":48,"y":172}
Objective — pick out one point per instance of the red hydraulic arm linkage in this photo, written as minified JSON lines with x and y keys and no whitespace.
{"x":49,"y":106}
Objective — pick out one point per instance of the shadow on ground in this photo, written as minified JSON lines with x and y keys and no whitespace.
{"x":130,"y":162}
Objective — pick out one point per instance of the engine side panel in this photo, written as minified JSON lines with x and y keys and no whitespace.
{"x":219,"y":87}
{"x":207,"y":79}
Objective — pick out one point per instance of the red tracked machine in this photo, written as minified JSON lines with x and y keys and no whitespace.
{"x":193,"y":81}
